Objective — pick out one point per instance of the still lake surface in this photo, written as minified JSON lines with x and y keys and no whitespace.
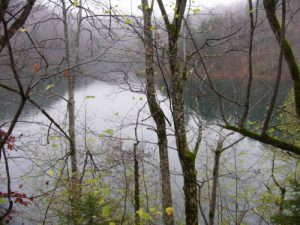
{"x":105,"y":109}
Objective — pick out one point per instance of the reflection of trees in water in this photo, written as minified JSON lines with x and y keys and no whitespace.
{"x":209,"y":102}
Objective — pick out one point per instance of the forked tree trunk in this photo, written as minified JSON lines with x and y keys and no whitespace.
{"x":178,"y":77}
{"x":157,"y":114}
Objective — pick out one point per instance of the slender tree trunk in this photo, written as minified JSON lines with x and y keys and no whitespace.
{"x":157,"y":114}
{"x":270,"y":9}
{"x":136,"y":185}
{"x":72,"y":133}
{"x":73,"y":154}
{"x":187,"y":157}
{"x":216,"y":169}
{"x":250,"y":65}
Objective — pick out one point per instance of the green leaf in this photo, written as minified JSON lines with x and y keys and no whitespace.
{"x":2,"y":201}
{"x":196,"y":11}
{"x":152,"y":209}
{"x":242,"y":154}
{"x":51,"y":173}
{"x":128,"y":21}
{"x":54,"y":137}
{"x":54,"y":145}
{"x":106,"y":191}
{"x":252,"y":10}
{"x":107,"y":11}
{"x":75,"y":3}
{"x":91,"y":181}
{"x":272,"y":130}
{"x":110,"y":132}
{"x":106,"y":211}
{"x":152,"y":28}
{"x":90,"y":97}
{"x":140,"y":212}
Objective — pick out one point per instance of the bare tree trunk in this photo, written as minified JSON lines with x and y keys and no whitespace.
{"x":137,"y":203}
{"x":72,"y":133}
{"x":190,"y":190}
{"x":18,"y":23}
{"x":186,"y":156}
{"x":157,"y":114}
{"x":136,"y":185}
{"x":270,"y":9}
{"x":178,"y":78}
{"x":280,"y":187}
{"x":216,"y":169}
{"x":250,"y":65}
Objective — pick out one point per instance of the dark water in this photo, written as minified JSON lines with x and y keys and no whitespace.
{"x":233,"y":97}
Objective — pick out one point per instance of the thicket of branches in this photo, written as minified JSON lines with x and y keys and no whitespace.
{"x":211,"y":129}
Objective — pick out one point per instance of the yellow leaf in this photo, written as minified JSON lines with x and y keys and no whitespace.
{"x":49,"y":87}
{"x":169,"y":211}
{"x":128,"y":21}
{"x":140,"y":212}
{"x":90,"y":97}
{"x":51,"y":173}
{"x":110,"y":132}
{"x":23,"y":30}
{"x":152,"y":28}
{"x":196,"y":11}
{"x":75,"y":3}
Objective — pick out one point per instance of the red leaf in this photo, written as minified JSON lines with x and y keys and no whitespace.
{"x":36,"y":68}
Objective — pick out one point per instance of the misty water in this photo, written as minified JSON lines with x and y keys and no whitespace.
{"x":107,"y":111}
{"x":112,"y":112}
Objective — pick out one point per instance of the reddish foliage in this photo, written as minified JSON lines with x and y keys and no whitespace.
{"x":66,"y":73}
{"x":20,"y":198}
{"x":36,"y":68}
{"x":10,"y":142}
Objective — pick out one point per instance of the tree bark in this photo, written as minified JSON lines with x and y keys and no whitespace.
{"x":190,"y":190}
{"x":187,"y":157}
{"x":75,"y":193}
{"x":157,"y":114}
{"x":270,"y":9}
{"x":178,"y":78}
{"x":216,"y":169}
{"x":19,"y":21}
{"x":136,"y":185}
